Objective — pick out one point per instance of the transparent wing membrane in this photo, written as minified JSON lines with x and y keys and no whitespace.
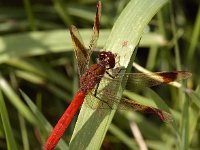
{"x":141,"y":80}
{"x":81,"y":52}
{"x":106,"y":98}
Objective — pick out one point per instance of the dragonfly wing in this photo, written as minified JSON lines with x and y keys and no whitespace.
{"x":135,"y":106}
{"x":108,"y":100}
{"x":141,"y":80}
{"x":81,"y":52}
{"x":95,"y":34}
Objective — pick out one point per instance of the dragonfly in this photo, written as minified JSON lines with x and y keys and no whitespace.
{"x":90,"y":77}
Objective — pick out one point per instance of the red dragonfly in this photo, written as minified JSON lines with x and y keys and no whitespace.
{"x":91,"y":77}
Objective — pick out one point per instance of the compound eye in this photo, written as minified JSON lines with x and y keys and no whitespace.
{"x":102,"y":56}
{"x":108,"y":59}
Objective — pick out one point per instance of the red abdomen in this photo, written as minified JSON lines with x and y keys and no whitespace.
{"x":65,"y":120}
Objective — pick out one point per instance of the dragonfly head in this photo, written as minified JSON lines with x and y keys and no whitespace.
{"x":107,"y":59}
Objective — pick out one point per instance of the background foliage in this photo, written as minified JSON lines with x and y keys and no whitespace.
{"x":36,"y":56}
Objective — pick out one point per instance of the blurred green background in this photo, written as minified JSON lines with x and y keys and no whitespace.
{"x":36,"y":57}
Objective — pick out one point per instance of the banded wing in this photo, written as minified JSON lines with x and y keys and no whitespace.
{"x":140,"y":80}
{"x":135,"y":106}
{"x":96,"y":26}
{"x":107,"y":99}
{"x":110,"y":101}
{"x":81,"y":52}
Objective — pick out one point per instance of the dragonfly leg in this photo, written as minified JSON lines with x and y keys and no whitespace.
{"x":110,"y":75}
{"x":114,"y":76}
{"x":96,"y":88}
{"x":95,"y":95}
{"x":97,"y":85}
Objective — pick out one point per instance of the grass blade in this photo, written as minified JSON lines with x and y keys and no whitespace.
{"x":11,"y":144}
{"x":16,"y":101}
{"x":44,"y":125}
{"x":123,"y":137}
{"x":56,"y":41}
{"x":30,"y":15}
{"x":24,"y":133}
{"x":195,"y":35}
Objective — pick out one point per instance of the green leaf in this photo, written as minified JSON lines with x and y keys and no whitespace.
{"x":16,"y":101}
{"x":184,"y":145}
{"x":11,"y":144}
{"x":44,"y":125}
{"x":57,"y":41}
{"x":123,"y":137}
{"x":195,"y":36}
{"x":40,"y":43}
{"x":194,"y":112}
{"x":24,"y":132}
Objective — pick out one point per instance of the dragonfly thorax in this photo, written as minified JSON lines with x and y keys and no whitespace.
{"x":107,"y":59}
